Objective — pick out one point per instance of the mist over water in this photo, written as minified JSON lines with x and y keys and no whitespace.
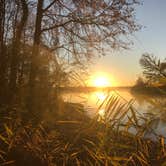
{"x":145,"y":106}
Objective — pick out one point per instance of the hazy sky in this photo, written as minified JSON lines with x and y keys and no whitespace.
{"x":123,"y":66}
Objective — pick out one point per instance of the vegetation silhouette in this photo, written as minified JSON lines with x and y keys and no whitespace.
{"x":46,"y":45}
{"x":154,"y":81}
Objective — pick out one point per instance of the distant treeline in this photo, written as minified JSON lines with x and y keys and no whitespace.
{"x":89,"y":89}
{"x":150,"y":90}
{"x":153,"y":81}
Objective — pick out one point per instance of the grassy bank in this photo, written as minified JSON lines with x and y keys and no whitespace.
{"x":67,"y":137}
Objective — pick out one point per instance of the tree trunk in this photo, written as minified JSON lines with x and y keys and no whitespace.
{"x":32,"y":101}
{"x":3,"y":81}
{"x":16,"y":49}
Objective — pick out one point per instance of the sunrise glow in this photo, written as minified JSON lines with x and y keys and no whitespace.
{"x":101,"y":80}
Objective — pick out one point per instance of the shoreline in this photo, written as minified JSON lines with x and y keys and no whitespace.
{"x":149,"y":90}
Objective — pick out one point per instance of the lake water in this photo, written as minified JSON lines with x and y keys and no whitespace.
{"x":145,"y":106}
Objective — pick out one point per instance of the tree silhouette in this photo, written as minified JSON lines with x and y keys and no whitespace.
{"x":154,"y":69}
{"x":36,"y":35}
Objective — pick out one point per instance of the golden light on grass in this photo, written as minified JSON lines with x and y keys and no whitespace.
{"x":101,"y":112}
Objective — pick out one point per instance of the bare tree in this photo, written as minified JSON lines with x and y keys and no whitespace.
{"x":73,"y":29}
{"x":53,"y":31}
{"x":16,"y":45}
{"x":2,"y":49}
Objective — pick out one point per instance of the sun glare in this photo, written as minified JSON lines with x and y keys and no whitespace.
{"x":101,"y":80}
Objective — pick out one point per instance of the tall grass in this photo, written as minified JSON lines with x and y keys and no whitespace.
{"x":113,"y":138}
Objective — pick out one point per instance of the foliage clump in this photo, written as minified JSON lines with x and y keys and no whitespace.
{"x":154,"y":69}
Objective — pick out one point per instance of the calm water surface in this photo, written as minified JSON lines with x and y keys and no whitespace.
{"x":144,"y":105}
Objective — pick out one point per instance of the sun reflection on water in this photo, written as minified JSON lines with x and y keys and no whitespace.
{"x":101,"y":96}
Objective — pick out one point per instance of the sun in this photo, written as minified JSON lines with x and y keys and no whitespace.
{"x":101,"y":80}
